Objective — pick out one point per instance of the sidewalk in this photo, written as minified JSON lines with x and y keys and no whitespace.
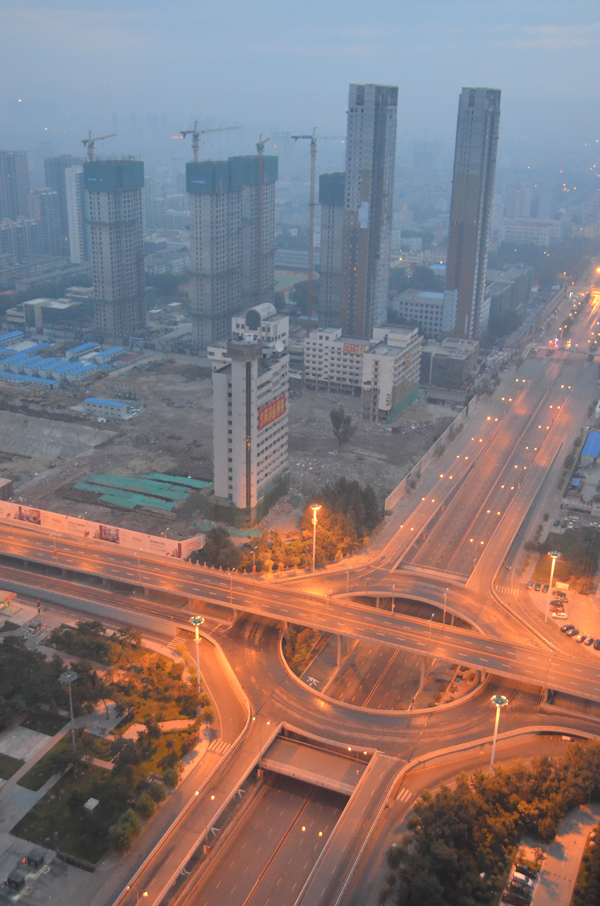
{"x":559,"y":871}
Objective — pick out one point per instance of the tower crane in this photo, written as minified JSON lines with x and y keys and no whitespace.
{"x":89,"y":142}
{"x":260,"y":149}
{"x":312,"y":206}
{"x":196,"y":133}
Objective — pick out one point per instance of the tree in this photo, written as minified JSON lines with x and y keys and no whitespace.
{"x":219,"y":550}
{"x":123,"y":833}
{"x":343,"y":429}
{"x":171,"y":777}
{"x":145,"y":806}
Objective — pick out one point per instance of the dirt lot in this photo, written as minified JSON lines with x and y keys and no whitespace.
{"x":173,"y":433}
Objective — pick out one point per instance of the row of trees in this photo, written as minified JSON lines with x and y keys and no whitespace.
{"x":461,"y":841}
{"x":349,"y":514}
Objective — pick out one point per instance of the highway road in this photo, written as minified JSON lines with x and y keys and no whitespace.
{"x":251,"y":646}
{"x":268,"y":856}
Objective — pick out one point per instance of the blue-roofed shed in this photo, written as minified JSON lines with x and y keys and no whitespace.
{"x":591,"y":449}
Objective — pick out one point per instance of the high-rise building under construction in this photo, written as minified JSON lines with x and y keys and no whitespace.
{"x":232,"y":247}
{"x":466,"y":309}
{"x":117,"y":244}
{"x":369,"y":188}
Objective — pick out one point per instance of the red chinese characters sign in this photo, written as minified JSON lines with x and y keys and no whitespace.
{"x":354,"y":349}
{"x":271,"y":412}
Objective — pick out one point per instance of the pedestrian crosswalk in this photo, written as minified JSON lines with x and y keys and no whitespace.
{"x":404,"y":795}
{"x":505,"y":589}
{"x":219,"y":747}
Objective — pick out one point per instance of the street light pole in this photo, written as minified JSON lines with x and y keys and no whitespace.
{"x":393,"y":597}
{"x":554,"y":555}
{"x":197,"y":622}
{"x":67,"y":679}
{"x":500,"y":701}
{"x":315,"y":507}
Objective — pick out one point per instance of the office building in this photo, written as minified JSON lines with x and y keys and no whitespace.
{"x":78,"y":215}
{"x":331,"y":200}
{"x":383,"y":371}
{"x":115,"y":204}
{"x":423,"y":309}
{"x":55,"y":170}
{"x":369,"y":187}
{"x":509,"y":290}
{"x":471,"y":210}
{"x":517,"y":202}
{"x":45,"y":209}
{"x":250,"y":420}
{"x":531,"y":231}
{"x":227,"y":276}
{"x":14,"y":185}
{"x":451,"y":364}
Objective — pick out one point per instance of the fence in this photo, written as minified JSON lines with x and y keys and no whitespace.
{"x":415,"y":473}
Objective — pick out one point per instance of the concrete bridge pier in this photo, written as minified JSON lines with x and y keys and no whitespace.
{"x":340,"y":649}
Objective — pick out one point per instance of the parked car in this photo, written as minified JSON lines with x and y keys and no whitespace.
{"x":567,"y":627}
{"x":589,"y":641}
{"x":559,"y":615}
{"x":559,"y":594}
{"x":545,"y":589}
{"x":537,"y":586}
{"x":597,"y":645}
{"x":594,"y":524}
{"x":572,"y":632}
{"x":556,"y":522}
{"x":526,"y":870}
{"x":529,"y":586}
{"x":581,"y":638}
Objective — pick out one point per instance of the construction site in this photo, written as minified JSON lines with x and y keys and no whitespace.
{"x":61,"y":458}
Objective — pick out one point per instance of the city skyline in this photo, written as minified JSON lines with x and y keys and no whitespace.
{"x":429,"y":51}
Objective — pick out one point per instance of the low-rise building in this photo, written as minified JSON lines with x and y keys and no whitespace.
{"x":531,"y":231}
{"x":384,"y":371}
{"x":431,"y":312}
{"x":450,"y":364}
{"x":106,"y":408}
{"x":109,"y":355}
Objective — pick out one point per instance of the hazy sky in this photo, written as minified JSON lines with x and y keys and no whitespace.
{"x":276,"y":64}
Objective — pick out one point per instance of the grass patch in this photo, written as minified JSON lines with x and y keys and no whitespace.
{"x":46,"y":767}
{"x":578,"y":562}
{"x":9,"y":765}
{"x":59,"y":821}
{"x":8,"y":626}
{"x":45,"y":722}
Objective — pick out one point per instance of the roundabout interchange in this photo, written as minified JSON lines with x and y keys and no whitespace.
{"x":454,"y":543}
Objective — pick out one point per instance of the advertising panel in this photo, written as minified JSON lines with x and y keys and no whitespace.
{"x":354,"y":349}
{"x":85,"y":529}
{"x":109,"y":533}
{"x":28,"y":514}
{"x":268,"y":414}
{"x":187,"y":547}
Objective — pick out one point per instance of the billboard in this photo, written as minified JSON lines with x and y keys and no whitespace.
{"x":271,"y":413}
{"x":354,"y":349}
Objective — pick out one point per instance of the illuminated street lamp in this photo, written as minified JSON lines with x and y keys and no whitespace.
{"x":67,"y":679}
{"x":500,"y":701}
{"x":315,"y":507}
{"x":197,"y":622}
{"x":554,"y":555}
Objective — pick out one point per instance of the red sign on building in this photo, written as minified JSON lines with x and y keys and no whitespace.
{"x":354,"y":349}
{"x":271,"y":412}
